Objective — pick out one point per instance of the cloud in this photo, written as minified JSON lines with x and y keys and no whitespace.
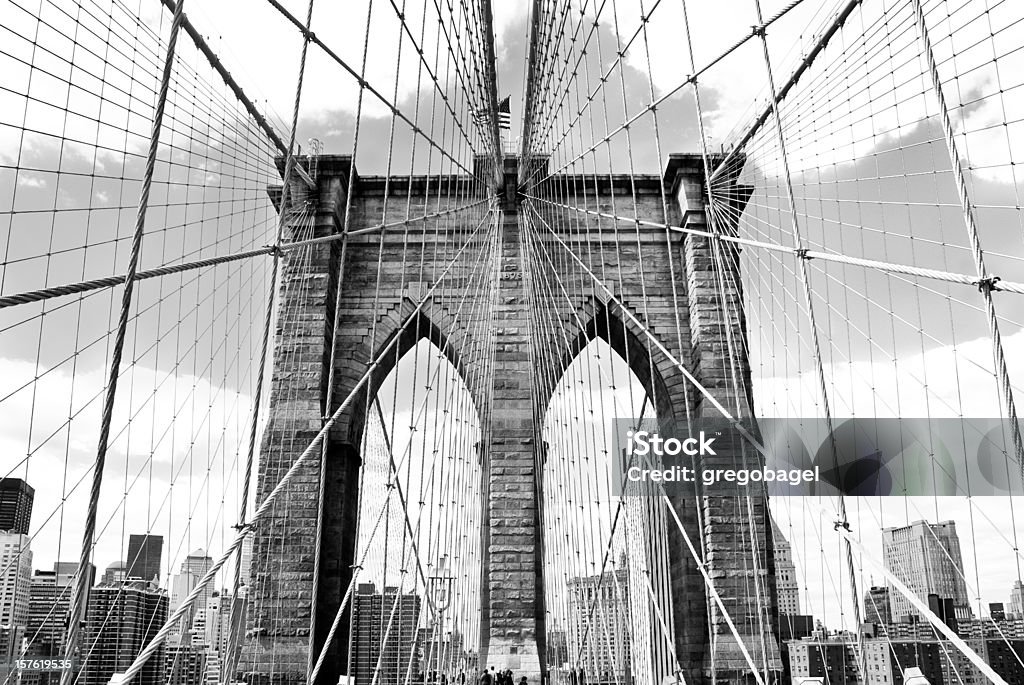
{"x":865,"y":92}
{"x":944,"y":381}
{"x":171,"y":466}
{"x":271,"y":74}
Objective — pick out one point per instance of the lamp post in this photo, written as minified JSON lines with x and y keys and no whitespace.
{"x":440,"y":588}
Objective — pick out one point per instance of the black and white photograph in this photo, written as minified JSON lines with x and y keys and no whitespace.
{"x":511,"y":342}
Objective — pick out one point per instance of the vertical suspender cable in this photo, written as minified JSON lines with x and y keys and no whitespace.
{"x":77,"y":609}
{"x":526,"y":148}
{"x":815,"y":343}
{"x":235,"y":634}
{"x":492,"y":90}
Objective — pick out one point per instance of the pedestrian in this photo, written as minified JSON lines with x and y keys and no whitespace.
{"x":486,"y":679}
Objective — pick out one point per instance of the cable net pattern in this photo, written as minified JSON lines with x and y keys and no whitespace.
{"x":359,"y":410}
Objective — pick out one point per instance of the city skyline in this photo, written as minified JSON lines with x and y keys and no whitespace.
{"x":122,"y":613}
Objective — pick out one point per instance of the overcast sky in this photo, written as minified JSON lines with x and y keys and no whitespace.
{"x":894,"y":348}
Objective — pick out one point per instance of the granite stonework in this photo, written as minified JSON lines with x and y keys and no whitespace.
{"x":679,"y":300}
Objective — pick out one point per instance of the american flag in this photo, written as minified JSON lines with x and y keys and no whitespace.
{"x":504,"y":116}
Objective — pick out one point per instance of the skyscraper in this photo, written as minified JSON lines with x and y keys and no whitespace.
{"x":651,"y":658}
{"x":192,"y":570}
{"x":185,"y":664}
{"x":372,"y":611}
{"x":245,"y":563}
{"x":440,"y":652}
{"x":786,"y":583}
{"x":120,"y":621}
{"x":877,"y":607}
{"x":1016,"y":607}
{"x":225,"y":634}
{"x":49,"y":604}
{"x":926,"y":558}
{"x":215,"y":623}
{"x":557,"y":646}
{"x":144,"y":556}
{"x":15,"y":591}
{"x":599,"y":626}
{"x":15,"y":505}
{"x":115,"y":573}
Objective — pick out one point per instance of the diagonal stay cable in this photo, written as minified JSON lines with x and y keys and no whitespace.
{"x":111,"y":281}
{"x":911,"y":597}
{"x":656,"y":342}
{"x":77,"y":608}
{"x":268,"y":502}
{"x":790,"y":83}
{"x":648,"y":107}
{"x":986,"y":279}
{"x":997,"y":284}
{"x":395,"y":467}
{"x":391,"y":107}
{"x":230,"y":82}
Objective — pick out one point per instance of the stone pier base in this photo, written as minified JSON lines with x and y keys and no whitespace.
{"x":521,"y":659}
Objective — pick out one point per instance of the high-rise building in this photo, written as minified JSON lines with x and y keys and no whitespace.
{"x":440,"y":652}
{"x":876,"y":606}
{"x":49,"y":605}
{"x":1017,"y":600}
{"x":214,"y":664}
{"x":201,"y":620}
{"x":599,"y":626}
{"x":215,"y":625}
{"x":886,"y":659}
{"x":926,"y":558}
{"x":185,"y":664}
{"x":119,"y":622}
{"x":115,"y":573}
{"x":15,"y":592}
{"x":15,"y":505}
{"x":219,"y":628}
{"x":245,"y":563}
{"x":557,"y":647}
{"x":889,"y":660}
{"x":831,"y":658}
{"x":651,"y":657}
{"x":209,"y":623}
{"x":193,"y":568}
{"x":372,"y":612}
{"x":786,"y":583}
{"x":144,"y":556}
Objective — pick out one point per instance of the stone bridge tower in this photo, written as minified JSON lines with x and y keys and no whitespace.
{"x":512,"y":594}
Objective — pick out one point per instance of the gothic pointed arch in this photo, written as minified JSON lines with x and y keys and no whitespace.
{"x":399,"y":328}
